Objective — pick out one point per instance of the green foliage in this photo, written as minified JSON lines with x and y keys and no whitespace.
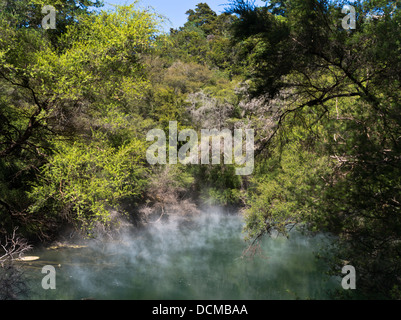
{"x":83,"y":182}
{"x":218,"y":185}
{"x":203,"y":18}
{"x":283,"y":189}
{"x":83,"y":84}
{"x":336,"y":85}
{"x":76,"y":103}
{"x":27,"y":15}
{"x":205,"y":39}
{"x":187,"y":77}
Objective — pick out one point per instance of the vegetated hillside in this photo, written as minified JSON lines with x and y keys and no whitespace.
{"x":78,"y":101}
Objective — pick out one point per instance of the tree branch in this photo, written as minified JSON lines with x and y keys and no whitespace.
{"x":311,"y":103}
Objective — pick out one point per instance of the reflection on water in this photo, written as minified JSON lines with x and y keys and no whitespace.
{"x":202,"y":260}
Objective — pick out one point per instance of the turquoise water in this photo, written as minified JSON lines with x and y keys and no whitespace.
{"x":200,"y":260}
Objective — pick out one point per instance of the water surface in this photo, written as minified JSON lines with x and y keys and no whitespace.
{"x":200,"y":260}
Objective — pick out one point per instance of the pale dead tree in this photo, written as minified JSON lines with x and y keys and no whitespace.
{"x":262,"y":107}
{"x":266,"y":115}
{"x":207,"y":111}
{"x":13,"y":247}
{"x":12,"y":283}
{"x":259,"y":113}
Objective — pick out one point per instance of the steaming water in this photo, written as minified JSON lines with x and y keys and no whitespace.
{"x":201,"y":260}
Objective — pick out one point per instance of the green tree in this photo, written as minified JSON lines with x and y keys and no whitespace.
{"x":23,"y":14}
{"x":85,"y":87}
{"x":202,"y":17}
{"x":84,"y":182}
{"x":339,"y":86}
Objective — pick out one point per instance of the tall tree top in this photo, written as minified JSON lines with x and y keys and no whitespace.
{"x":203,"y":17}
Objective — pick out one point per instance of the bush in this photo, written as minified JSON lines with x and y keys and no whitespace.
{"x":83,"y":182}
